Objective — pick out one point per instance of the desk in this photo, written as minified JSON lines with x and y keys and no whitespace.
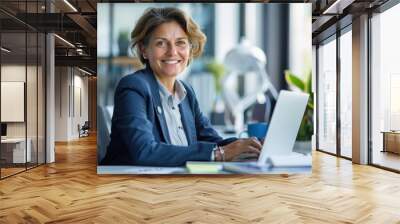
{"x":15,"y":148}
{"x":140,"y":170}
{"x":183,"y":170}
{"x":391,"y":141}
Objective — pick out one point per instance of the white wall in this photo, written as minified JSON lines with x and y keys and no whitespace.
{"x":61,"y":103}
{"x":12,"y":101}
{"x":229,"y":30}
{"x":17,"y":73}
{"x":71,"y":87}
{"x":33,"y":125}
{"x":254,"y":23}
{"x":300,"y":38}
{"x":13,"y":72}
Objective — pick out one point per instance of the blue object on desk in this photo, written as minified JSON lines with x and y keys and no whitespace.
{"x":258,"y":130}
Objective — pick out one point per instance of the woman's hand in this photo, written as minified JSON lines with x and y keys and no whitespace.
{"x":248,"y":145}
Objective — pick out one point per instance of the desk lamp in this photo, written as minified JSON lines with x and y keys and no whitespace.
{"x":248,"y":61}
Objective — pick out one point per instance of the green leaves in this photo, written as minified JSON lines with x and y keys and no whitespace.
{"x":218,"y":71}
{"x":303,"y":85}
{"x":307,"y":126}
{"x":293,"y":80}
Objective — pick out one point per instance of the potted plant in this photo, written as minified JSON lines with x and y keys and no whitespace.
{"x":123,"y":43}
{"x":303,"y":141}
{"x":217,"y":70}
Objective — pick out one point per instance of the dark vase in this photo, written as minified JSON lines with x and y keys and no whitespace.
{"x":123,"y":45}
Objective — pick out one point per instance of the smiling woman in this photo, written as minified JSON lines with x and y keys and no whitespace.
{"x":167,"y":52}
{"x":157,"y":120}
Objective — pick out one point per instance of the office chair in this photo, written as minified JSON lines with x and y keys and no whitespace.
{"x":84,"y":130}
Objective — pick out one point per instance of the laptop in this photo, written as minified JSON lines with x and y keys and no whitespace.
{"x":277,"y":151}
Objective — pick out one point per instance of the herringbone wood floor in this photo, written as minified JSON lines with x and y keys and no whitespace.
{"x":70,"y":191}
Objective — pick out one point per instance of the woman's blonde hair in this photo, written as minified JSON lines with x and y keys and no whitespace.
{"x":153,"y":17}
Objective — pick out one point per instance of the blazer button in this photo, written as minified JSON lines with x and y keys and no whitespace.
{"x":159,"y":110}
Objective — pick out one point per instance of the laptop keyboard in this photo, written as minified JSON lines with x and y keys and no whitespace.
{"x":246,"y":157}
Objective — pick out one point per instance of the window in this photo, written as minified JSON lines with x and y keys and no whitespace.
{"x":327,"y":96}
{"x":346,"y":93}
{"x":385,"y":88}
{"x":22,"y":75}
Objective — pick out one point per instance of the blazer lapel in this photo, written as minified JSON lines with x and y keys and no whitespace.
{"x":160,"y":115}
{"x":188,"y":121}
{"x":158,"y":109}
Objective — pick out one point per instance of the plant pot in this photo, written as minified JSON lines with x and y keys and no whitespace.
{"x":303,"y":147}
{"x":123,"y":46}
{"x":218,"y":111}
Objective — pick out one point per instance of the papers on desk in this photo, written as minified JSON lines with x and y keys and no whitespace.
{"x":204,"y":167}
{"x":139,"y":170}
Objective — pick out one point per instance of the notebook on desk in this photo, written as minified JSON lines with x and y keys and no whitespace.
{"x":280,"y":138}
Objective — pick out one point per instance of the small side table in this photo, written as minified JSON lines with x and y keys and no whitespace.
{"x":391,"y":141}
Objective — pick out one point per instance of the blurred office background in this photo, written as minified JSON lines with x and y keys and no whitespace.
{"x":280,"y":31}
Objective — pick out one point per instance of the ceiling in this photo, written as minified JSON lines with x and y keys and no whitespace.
{"x":330,"y":15}
{"x":76,"y":23}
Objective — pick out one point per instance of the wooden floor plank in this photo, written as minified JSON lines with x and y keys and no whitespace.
{"x":70,"y":191}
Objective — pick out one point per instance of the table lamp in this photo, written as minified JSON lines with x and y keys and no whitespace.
{"x":245,"y":60}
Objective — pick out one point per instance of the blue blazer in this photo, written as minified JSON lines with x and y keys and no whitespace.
{"x":139,"y":133}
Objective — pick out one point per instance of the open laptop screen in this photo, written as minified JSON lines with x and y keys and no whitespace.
{"x":284,"y":125}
